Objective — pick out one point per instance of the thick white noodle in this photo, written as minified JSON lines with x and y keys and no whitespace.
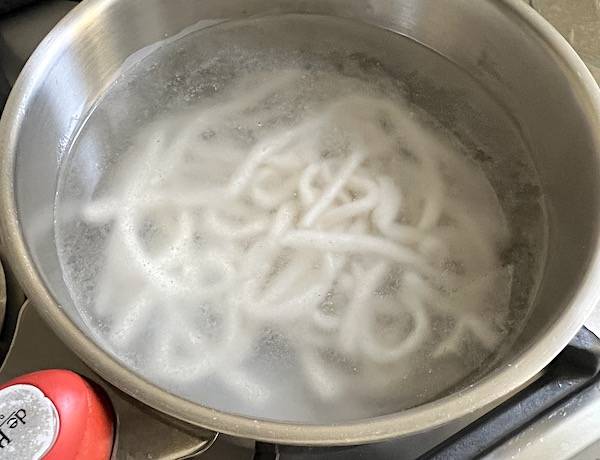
{"x":332,"y":226}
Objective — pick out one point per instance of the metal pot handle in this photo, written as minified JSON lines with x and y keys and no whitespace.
{"x":139,"y":432}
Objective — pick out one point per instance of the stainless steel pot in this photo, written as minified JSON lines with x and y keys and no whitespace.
{"x":509,"y":49}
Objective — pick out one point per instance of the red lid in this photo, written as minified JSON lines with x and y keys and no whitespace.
{"x":57,"y":414}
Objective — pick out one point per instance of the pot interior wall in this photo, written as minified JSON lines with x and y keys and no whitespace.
{"x":497,"y":50}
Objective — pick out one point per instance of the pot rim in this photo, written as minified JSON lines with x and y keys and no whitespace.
{"x":490,"y":389}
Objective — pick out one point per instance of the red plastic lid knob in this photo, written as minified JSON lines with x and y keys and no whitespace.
{"x":55,"y":415}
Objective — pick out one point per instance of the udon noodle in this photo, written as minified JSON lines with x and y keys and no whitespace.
{"x":351,"y":230}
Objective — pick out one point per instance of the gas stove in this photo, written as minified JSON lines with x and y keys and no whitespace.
{"x":556,"y":416}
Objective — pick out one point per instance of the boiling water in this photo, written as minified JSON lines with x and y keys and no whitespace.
{"x":286,"y":218}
